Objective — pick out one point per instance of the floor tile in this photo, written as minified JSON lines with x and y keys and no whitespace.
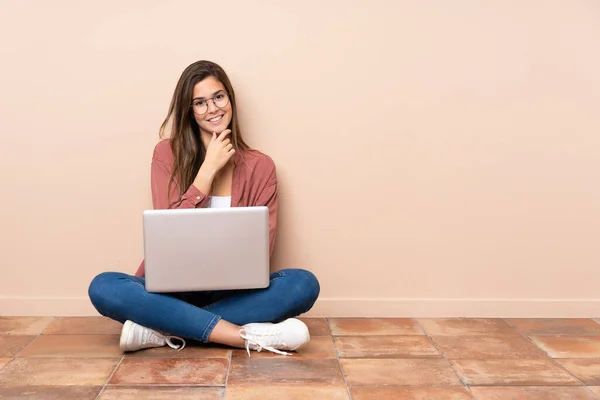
{"x":316,"y":326}
{"x":487,"y":347}
{"x":4,"y":361}
{"x":533,"y":393}
{"x":587,"y":370}
{"x":160,"y":393}
{"x":465,"y":326}
{"x":410,"y":394}
{"x":170,"y":371}
{"x":288,"y":371}
{"x":555,"y":326}
{"x":84,"y":326}
{"x":319,"y":347}
{"x":512,"y":372}
{"x":186,"y":352}
{"x":373,"y":326}
{"x":569,"y":346}
{"x":287,"y":393}
{"x":50,"y":392}
{"x":595,"y":389}
{"x":10,"y":345}
{"x":385,"y":346}
{"x":56,"y":371}
{"x":83,"y":346}
{"x":398,"y":372}
{"x":23,"y":325}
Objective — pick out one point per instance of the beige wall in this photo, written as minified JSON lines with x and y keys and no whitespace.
{"x":435,"y":157}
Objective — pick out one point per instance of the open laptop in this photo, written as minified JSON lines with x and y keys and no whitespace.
{"x":200,"y":249}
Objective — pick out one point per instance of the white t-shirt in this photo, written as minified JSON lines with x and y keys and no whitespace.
{"x":220,"y":202}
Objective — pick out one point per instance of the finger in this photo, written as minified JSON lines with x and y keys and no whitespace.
{"x":224,"y":133}
{"x":228,"y":147}
{"x":226,"y":141}
{"x":214,"y":137}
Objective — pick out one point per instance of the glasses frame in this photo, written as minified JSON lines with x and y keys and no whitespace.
{"x":214,"y":102}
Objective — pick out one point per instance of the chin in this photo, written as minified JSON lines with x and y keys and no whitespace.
{"x":210,"y":130}
{"x":219,"y":128}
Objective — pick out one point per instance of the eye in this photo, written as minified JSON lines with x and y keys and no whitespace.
{"x":220,"y":96}
{"x":199,"y":103}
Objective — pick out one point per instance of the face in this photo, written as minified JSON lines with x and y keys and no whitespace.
{"x":211,"y":106}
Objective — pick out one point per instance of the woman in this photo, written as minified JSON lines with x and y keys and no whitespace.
{"x":206,"y":163}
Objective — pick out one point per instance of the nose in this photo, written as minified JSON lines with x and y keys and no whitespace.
{"x":211,"y":105}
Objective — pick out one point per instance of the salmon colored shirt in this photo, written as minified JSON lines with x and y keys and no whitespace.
{"x":254,"y":184}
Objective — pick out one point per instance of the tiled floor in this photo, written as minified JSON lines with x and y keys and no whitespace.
{"x":417,"y":359}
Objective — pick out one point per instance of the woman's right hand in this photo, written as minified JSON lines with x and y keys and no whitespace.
{"x":219,"y":151}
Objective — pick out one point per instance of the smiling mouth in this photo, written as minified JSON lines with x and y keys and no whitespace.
{"x":216,"y":119}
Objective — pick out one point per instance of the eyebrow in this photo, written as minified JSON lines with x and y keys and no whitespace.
{"x":204,"y":98}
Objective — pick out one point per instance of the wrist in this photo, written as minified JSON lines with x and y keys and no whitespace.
{"x":207,"y":172}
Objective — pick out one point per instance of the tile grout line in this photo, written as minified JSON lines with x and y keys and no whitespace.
{"x":110,"y":376}
{"x":444,"y":357}
{"x":228,"y":372}
{"x":13,"y":358}
{"x":32,"y":340}
{"x":548,"y":355}
{"x":48,"y":326}
{"x":337,"y":357}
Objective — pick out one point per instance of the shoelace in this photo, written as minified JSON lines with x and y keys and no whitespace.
{"x":173,"y":345}
{"x":156,"y":337}
{"x":251,"y":339}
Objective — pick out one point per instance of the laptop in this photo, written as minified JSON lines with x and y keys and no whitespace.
{"x":200,"y":249}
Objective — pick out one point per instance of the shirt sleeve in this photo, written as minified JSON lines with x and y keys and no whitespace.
{"x":159,"y":178}
{"x":160,"y":175}
{"x":268,"y":197}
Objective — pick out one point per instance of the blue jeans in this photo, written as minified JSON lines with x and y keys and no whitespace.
{"x":193,"y":315}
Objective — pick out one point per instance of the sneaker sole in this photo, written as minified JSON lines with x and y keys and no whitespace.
{"x":125,"y":335}
{"x":306,"y":334}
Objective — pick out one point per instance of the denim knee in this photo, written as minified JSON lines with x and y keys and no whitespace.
{"x":101,"y":290}
{"x":306,"y":285}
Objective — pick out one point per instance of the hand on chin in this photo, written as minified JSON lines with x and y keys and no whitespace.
{"x":217,"y":129}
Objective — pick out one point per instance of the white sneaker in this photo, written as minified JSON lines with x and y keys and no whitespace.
{"x":290,"y":334}
{"x":136,"y":337}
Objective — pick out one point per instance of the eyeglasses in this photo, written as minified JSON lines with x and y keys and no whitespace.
{"x":200,"y":106}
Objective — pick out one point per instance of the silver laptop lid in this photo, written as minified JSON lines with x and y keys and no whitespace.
{"x":206,"y":249}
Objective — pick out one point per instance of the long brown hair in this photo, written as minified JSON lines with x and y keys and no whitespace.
{"x":188,"y":150}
